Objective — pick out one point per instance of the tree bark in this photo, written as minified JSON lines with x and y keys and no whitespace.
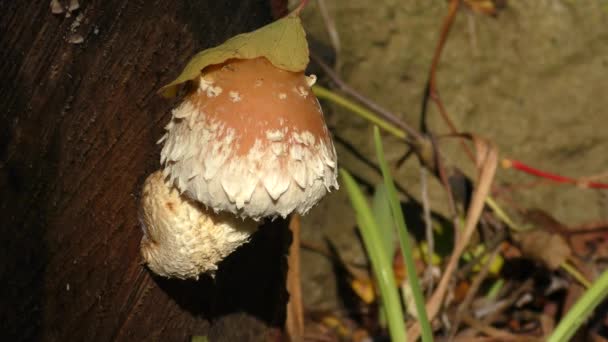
{"x":80,"y":119}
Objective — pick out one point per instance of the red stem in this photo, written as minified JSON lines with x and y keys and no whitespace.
{"x":552,"y":176}
{"x":303,"y":4}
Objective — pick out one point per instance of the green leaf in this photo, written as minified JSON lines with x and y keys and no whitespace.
{"x":282,"y":42}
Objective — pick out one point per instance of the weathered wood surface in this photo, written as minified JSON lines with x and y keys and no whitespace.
{"x":79,"y":124}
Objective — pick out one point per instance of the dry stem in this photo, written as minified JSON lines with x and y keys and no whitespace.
{"x":295,"y":311}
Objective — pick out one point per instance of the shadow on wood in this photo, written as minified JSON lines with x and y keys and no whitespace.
{"x":80,"y":119}
{"x":250,"y":280}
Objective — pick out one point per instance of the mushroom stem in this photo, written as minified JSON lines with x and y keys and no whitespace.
{"x":182,"y":239}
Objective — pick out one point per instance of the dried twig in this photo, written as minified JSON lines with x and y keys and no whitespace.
{"x":301,"y":6}
{"x":473,"y":291}
{"x":512,"y":298}
{"x":330,"y":26}
{"x":500,"y":335}
{"x":442,"y":174}
{"x":430,"y":239}
{"x":587,"y":228}
{"x":413,"y":134}
{"x":487,"y":159}
{"x":490,"y":245}
{"x":431,"y":91}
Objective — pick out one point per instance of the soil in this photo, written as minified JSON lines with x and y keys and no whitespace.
{"x":532,"y":80}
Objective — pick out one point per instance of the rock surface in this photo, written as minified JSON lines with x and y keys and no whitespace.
{"x":532,"y":80}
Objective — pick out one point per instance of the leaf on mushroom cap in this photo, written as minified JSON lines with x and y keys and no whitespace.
{"x":282,"y":42}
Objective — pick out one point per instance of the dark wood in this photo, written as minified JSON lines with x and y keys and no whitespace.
{"x":79,"y":124}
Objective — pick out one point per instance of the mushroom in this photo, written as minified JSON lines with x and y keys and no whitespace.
{"x":250,"y":140}
{"x":181,"y":238}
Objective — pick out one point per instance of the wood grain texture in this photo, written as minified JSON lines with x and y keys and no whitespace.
{"x":79,"y":123}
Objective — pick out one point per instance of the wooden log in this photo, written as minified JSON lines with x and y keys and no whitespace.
{"x":80,"y":118}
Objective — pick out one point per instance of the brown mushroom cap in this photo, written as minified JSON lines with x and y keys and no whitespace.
{"x":251,"y":140}
{"x":181,"y":238}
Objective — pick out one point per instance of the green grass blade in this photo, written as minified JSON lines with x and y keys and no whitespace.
{"x":404,"y":239}
{"x":381,"y":265}
{"x":381,"y":209}
{"x":581,"y":310}
{"x":343,"y":102}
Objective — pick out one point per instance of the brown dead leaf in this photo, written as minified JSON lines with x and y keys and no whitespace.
{"x":461,"y":290}
{"x":596,"y":337}
{"x":549,"y":248}
{"x":592,"y":245}
{"x":364,"y":288}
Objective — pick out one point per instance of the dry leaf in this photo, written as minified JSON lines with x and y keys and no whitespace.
{"x":592,"y":244}
{"x":364,"y":288}
{"x":282,"y":42}
{"x":549,"y":248}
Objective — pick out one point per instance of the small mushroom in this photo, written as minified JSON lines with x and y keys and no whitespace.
{"x":250,"y":140}
{"x":181,"y":238}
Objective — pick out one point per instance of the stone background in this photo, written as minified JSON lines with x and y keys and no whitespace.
{"x":533,"y":80}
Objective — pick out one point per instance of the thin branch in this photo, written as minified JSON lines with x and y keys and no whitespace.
{"x":499,"y":335}
{"x":576,"y":274}
{"x":370,"y":116}
{"x":443,"y":177}
{"x":445,"y":30}
{"x":301,"y":6}
{"x":428,"y":161}
{"x":490,"y":245}
{"x":585,"y":183}
{"x":432,"y":92}
{"x":330,"y":26}
{"x":487,"y":161}
{"x":430,"y":239}
{"x":473,"y":291}
{"x":586,"y":228}
{"x":413,"y":134}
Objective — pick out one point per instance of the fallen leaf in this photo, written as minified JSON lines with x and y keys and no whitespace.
{"x":549,"y":248}
{"x":592,"y":245}
{"x":460,"y":291}
{"x":364,"y":288}
{"x":282,"y":42}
